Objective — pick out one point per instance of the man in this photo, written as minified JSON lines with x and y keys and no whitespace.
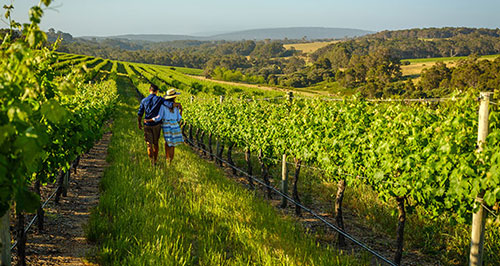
{"x":150,"y":106}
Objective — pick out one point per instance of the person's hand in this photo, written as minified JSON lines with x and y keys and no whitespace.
{"x":139,"y":123}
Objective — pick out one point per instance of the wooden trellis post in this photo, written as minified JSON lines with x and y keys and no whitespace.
{"x":21,"y":239}
{"x":219,"y":146}
{"x":479,"y":217}
{"x":5,"y":240}
{"x":284,"y":181}
{"x":249,"y":167}
{"x":39,"y":212}
{"x":66,"y":183}
{"x":284,"y":169}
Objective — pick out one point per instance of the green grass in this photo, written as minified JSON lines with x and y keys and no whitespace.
{"x":188,"y":71}
{"x":435,"y":238}
{"x":93,"y":62}
{"x":67,"y":56}
{"x":121,"y":68}
{"x":108,"y":66}
{"x":188,"y":213}
{"x":330,"y":87}
{"x":63,"y":64}
{"x":438,"y":239}
{"x":167,"y":74}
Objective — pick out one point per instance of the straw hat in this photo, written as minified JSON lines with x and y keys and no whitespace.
{"x":171,"y":94}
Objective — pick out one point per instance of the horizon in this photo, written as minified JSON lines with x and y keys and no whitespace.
{"x":203,"y":18}
{"x":207,"y":34}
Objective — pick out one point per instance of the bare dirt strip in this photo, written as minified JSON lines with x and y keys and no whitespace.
{"x":63,"y":241}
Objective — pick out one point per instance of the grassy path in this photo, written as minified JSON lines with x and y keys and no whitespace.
{"x":188,"y":213}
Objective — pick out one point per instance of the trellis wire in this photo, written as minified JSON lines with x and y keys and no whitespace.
{"x":397,"y":100}
{"x":337,"y":229}
{"x":320,"y":169}
{"x":444,"y":99}
{"x":490,"y":211}
{"x":27,"y":228}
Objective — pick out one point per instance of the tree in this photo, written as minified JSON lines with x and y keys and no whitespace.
{"x":434,"y":76}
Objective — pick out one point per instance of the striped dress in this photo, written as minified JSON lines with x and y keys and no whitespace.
{"x":170,"y":125}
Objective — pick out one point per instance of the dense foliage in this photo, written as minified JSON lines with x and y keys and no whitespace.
{"x":46,"y":121}
{"x":422,"y":152}
{"x":440,"y":79}
{"x":402,"y":45}
{"x":188,"y":213}
{"x":435,"y":33}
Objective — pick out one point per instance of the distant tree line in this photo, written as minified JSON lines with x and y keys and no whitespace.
{"x":433,"y":33}
{"x":370,"y":64}
{"x":467,"y":73}
{"x":376,"y":69}
{"x":14,"y":34}
{"x":53,"y":35}
{"x":416,"y":43}
{"x":122,"y":51}
{"x":194,"y":54}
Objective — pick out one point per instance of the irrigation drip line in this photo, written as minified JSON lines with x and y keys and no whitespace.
{"x":489,"y":210}
{"x":334,"y":227}
{"x":36,"y":215}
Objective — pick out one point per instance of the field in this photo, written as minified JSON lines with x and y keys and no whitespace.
{"x":370,"y":130}
{"x":239,"y":226}
{"x":190,"y":75}
{"x":454,"y":240}
{"x":261,"y":175}
{"x":308,"y":48}
{"x":185,"y":213}
{"x":417,"y":65}
{"x":197,"y":86}
{"x":188,"y":212}
{"x":188,"y":71}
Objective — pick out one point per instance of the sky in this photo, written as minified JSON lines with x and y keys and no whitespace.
{"x":115,"y":17}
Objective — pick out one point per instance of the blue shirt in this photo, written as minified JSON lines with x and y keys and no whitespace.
{"x":151,"y":106}
{"x":166,"y":115}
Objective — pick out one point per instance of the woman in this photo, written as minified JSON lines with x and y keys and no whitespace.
{"x":170,"y":118}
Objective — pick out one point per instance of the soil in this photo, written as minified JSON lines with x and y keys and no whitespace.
{"x":63,"y":241}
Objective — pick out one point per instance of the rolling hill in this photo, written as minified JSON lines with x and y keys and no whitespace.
{"x":310,"y":33}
